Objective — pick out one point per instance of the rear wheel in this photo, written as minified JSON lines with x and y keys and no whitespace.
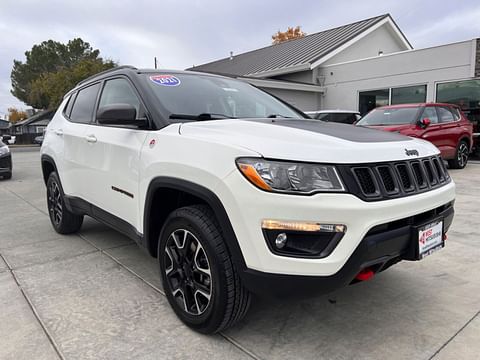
{"x":7,"y":176}
{"x":63,"y":220}
{"x":199,"y":278}
{"x":461,"y":156}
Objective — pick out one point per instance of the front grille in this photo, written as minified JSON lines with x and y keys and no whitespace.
{"x":405,"y":177}
{"x":387,"y":178}
{"x":381,"y":181}
{"x":366,"y":180}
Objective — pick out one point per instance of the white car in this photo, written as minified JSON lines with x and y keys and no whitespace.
{"x":340,"y":116}
{"x":9,"y":139}
{"x":235,"y":192}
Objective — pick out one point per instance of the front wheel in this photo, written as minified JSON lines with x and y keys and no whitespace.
{"x":461,"y":156}
{"x":63,"y":220}
{"x":198,"y":276}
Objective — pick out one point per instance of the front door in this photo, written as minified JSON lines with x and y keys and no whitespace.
{"x":114,"y":153}
{"x":432,"y":132}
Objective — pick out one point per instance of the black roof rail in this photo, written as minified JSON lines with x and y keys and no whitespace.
{"x":106,"y":72}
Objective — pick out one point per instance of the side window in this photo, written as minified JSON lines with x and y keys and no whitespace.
{"x":444,"y":115}
{"x":431,"y":114}
{"x":344,"y":118}
{"x":119,"y":91}
{"x":82,"y":111}
{"x":323,"y":116}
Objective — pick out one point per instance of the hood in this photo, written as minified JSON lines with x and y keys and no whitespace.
{"x":308,"y":140}
{"x":391,"y":128}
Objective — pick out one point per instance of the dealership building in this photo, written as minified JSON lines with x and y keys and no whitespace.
{"x":360,"y":66}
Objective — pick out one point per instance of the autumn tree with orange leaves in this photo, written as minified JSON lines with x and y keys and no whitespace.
{"x":15,"y":115}
{"x":291,"y":33}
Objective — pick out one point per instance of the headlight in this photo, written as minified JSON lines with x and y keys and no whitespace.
{"x":4,"y":150}
{"x":290,"y":177}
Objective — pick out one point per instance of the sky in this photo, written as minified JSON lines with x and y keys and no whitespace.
{"x":185,"y":33}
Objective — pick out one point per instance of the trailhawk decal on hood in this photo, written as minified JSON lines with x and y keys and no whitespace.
{"x":341,"y":131}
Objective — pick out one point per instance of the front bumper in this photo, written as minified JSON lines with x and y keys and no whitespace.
{"x":382,"y":247}
{"x":6,"y":163}
{"x":247,"y":206}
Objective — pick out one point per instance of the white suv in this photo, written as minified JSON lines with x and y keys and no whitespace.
{"x":236,"y":192}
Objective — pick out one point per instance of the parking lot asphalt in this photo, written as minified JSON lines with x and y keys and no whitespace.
{"x":96,"y":295}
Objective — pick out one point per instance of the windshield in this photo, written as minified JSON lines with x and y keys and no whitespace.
{"x":204,"y":97}
{"x":392,"y":116}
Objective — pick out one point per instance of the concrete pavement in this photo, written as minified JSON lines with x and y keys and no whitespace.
{"x":96,"y":295}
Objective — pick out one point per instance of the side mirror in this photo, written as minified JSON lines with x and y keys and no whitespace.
{"x":425,"y":122}
{"x":119,"y":114}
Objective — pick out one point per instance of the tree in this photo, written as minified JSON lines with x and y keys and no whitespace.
{"x":15,"y":115}
{"x":52,"y":68}
{"x":291,"y":33}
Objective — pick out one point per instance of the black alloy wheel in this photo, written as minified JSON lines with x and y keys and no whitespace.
{"x":55,"y":205}
{"x":63,"y":220}
{"x":188,"y":271}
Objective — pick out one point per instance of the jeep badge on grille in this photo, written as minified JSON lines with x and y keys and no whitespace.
{"x":411,"y":152}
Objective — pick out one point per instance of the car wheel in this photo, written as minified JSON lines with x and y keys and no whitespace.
{"x":461,"y":156}
{"x":7,"y":176}
{"x":63,"y":220}
{"x":198,"y":275}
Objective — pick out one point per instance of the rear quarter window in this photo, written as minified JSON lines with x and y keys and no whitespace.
{"x":68,"y":106}
{"x":456,"y":113}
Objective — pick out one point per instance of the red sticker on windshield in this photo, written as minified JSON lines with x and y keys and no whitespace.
{"x":165,"y":80}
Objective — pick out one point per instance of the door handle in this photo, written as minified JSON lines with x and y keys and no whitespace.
{"x":58,"y":132}
{"x":91,"y":138}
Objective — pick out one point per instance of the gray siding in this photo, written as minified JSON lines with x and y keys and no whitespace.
{"x":382,"y":39}
{"x":302,"y":100}
{"x":425,"y":66}
{"x":300,"y":76}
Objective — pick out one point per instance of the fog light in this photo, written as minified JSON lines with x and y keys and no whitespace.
{"x":281,"y":240}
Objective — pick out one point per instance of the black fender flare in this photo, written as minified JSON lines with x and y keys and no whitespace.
{"x":210,"y":198}
{"x":48,"y":159}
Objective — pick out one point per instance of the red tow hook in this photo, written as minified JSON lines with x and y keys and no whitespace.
{"x":365,"y":274}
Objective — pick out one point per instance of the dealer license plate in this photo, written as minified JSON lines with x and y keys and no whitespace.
{"x":430,"y":238}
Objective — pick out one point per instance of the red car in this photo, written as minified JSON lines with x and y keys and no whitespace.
{"x":442,"y":124}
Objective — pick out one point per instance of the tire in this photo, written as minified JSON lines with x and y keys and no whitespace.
{"x":461,"y":156}
{"x":63,"y":220}
{"x":7,"y":176}
{"x":216,"y":298}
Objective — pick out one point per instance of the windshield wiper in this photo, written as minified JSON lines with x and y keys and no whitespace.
{"x":274,"y":116}
{"x":202,"y":116}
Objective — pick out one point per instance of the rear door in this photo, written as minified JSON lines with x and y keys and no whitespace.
{"x":451,"y":130}
{"x":79,"y":115}
{"x":114,"y":153}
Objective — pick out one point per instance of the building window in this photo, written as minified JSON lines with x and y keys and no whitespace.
{"x":369,"y":100}
{"x":465,"y":94}
{"x":409,"y":94}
